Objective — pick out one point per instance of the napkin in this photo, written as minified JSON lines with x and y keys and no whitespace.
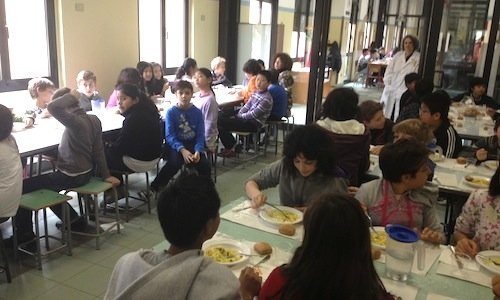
{"x":250,"y":217}
{"x":400,"y":289}
{"x":432,"y":296}
{"x":445,"y":179}
{"x":470,"y":271}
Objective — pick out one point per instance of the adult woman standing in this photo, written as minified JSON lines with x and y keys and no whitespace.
{"x":404,"y":62}
{"x":306,"y":169}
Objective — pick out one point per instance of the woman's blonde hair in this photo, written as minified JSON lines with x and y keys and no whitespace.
{"x":415,"y":128}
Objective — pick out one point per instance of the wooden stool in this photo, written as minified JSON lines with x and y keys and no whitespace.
{"x":90,"y":192}
{"x":41,"y":200}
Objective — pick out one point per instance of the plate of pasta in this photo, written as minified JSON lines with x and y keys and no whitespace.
{"x":285,"y":215}
{"x":226,"y":252}
{"x":475,"y":181}
{"x":378,"y":238}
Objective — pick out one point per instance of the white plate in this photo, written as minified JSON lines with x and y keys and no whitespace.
{"x":380,"y":230}
{"x":265,"y":215}
{"x":491,"y":164}
{"x":490,"y":266}
{"x":233,"y":246}
{"x":478,"y":185}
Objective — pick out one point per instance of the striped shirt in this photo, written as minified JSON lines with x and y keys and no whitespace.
{"x":258,"y":107}
{"x":447,"y":138}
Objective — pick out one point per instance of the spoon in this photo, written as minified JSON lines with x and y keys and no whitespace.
{"x":278,"y":209}
{"x":266,"y":258}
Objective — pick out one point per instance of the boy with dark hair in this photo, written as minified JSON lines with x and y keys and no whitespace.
{"x":488,"y":148}
{"x":434,"y":110}
{"x":477,"y":94}
{"x":371,"y":113}
{"x":407,"y":104}
{"x":403,"y":196}
{"x":188,"y":211}
{"x":250,"y":118}
{"x":80,"y":155}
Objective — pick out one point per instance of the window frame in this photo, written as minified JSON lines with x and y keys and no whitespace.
{"x":6,"y":83}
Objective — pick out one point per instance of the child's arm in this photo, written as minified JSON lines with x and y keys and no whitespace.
{"x":264,"y":106}
{"x":465,"y":244}
{"x":199,"y":147}
{"x":171,"y":127}
{"x":59,"y":108}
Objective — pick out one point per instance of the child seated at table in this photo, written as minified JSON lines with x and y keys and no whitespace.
{"x":188,"y":212}
{"x":477,"y":94}
{"x":489,"y":147}
{"x":159,"y":85}
{"x":251,"y":68}
{"x":334,"y":260}
{"x":280,"y":99}
{"x":86,"y":83}
{"x":126,"y":76}
{"x":372,"y":115}
{"x":434,"y":110}
{"x":205,"y":101}
{"x":250,"y":118}
{"x":351,"y":138}
{"x":146,"y":71}
{"x":80,"y":155}
{"x":41,"y":91}
{"x":306,"y":170}
{"x":11,"y":172}
{"x":409,"y":99}
{"x":477,"y":228}
{"x":185,"y":137}
{"x":403,"y":196}
{"x":218,"y":66}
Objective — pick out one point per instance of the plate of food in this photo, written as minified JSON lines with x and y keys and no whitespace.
{"x":491,"y":164}
{"x":226,"y":252}
{"x":490,"y":260}
{"x":379,"y":238}
{"x":476,"y":181}
{"x":282,"y":215}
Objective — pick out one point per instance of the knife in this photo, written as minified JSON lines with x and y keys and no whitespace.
{"x":457,"y":259}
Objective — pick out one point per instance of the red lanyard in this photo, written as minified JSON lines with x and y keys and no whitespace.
{"x":385,"y":205}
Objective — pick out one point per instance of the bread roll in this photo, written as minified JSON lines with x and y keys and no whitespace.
{"x":461,"y":160}
{"x":263,"y":248}
{"x":287,"y":229}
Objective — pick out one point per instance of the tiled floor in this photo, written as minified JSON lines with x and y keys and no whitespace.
{"x":84,"y":275}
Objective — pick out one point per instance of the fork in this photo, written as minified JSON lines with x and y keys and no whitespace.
{"x":371,"y":223}
{"x":278,"y":209}
{"x":266,"y":258}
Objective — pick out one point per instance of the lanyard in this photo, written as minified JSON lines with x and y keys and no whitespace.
{"x":385,"y":206}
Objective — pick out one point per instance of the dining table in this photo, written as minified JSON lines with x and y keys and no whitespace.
{"x":440,"y":279}
{"x":471,"y":121}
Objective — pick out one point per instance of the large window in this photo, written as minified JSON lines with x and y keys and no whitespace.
{"x":162,"y":32}
{"x":27,"y":42}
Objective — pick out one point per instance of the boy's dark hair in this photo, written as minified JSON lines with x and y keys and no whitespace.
{"x":438,"y":102}
{"x":368,"y":109}
{"x":128,"y":75}
{"x":185,"y":207}
{"x":183,"y":85}
{"x":266,"y":74}
{"x":61,"y":92}
{"x":406,"y":156}
{"x":314,"y":143}
{"x":341,"y":104}
{"x":409,"y":78}
{"x":6,"y":120}
{"x":261,"y":63}
{"x":475,"y":81}
{"x":252,"y":66}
